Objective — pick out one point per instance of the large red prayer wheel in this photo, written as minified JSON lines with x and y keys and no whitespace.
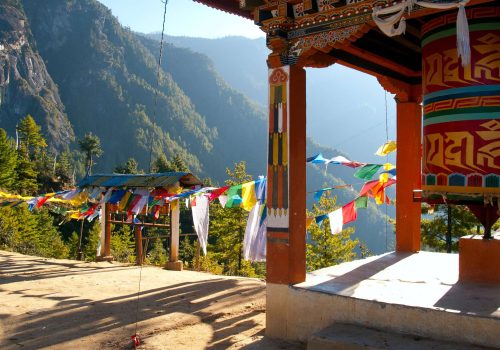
{"x":461,"y":126}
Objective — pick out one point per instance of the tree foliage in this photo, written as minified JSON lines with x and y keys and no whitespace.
{"x":434,"y":228}
{"x":90,"y":145}
{"x":8,"y":161}
{"x":130,"y":167}
{"x":324,"y":249}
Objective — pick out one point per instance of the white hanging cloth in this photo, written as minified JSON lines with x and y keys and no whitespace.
{"x":201,"y":220}
{"x":254,"y":242}
{"x":388,"y":25}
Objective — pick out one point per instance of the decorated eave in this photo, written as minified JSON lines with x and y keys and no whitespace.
{"x":237,"y":7}
{"x":318,"y":33}
{"x":140,"y":180}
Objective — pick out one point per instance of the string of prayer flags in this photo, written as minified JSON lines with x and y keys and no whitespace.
{"x":319,"y":159}
{"x":319,"y":193}
{"x":386,"y":148}
{"x":366,"y":172}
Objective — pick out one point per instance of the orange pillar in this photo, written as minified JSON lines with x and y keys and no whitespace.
{"x":408,"y":161}
{"x":286,"y":190}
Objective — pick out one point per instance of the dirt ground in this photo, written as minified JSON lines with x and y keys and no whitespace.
{"x":66,"y":304}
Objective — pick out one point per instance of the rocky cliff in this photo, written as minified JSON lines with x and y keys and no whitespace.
{"x":25,"y":85}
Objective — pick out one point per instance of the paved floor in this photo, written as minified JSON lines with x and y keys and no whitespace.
{"x":424,"y":279}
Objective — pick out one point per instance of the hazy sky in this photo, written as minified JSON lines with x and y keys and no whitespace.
{"x":184,"y":18}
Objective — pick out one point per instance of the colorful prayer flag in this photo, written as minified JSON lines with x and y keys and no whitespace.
{"x":386,"y":148}
{"x":367,"y":171}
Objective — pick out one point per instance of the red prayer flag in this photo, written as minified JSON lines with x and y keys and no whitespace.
{"x":217,"y":193}
{"x":349,"y":213}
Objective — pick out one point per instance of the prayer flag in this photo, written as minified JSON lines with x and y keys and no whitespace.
{"x":200,"y":214}
{"x":217,"y":193}
{"x":320,"y":219}
{"x":309,"y":222}
{"x":361,"y":202}
{"x":367,"y":171}
{"x":386,"y":148}
{"x":248,"y":195}
{"x":336,"y":221}
{"x":349,"y":213}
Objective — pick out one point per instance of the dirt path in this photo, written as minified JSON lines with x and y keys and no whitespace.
{"x":66,"y":304}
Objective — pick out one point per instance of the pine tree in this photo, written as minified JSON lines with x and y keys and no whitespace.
{"x":8,"y":161}
{"x":26,"y":182}
{"x":130,"y":167}
{"x":161,"y":164}
{"x":31,"y":137}
{"x":324,"y":249}
{"x":90,"y":145}
{"x":177,"y":164}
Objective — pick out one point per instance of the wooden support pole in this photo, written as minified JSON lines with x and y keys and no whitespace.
{"x":138,"y":245}
{"x":408,"y":160}
{"x":286,"y":173}
{"x":173,"y":261}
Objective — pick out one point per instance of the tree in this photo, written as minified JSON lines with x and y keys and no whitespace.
{"x":130,"y":167}
{"x":27,"y":175}
{"x":161,"y":164}
{"x":434,"y":229}
{"x":227,"y":227}
{"x":324,"y":249}
{"x":178,"y":164}
{"x":30,"y":136}
{"x":8,"y":161}
{"x":91,"y":146}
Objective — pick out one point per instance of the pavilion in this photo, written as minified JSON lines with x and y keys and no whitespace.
{"x":170,"y":182}
{"x":448,"y":105}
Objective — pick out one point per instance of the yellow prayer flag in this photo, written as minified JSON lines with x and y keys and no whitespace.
{"x":386,"y":148}
{"x":309,"y":222}
{"x":389,"y":166}
{"x":248,"y":199}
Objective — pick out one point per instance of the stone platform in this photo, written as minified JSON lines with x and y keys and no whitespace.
{"x":417,"y":294}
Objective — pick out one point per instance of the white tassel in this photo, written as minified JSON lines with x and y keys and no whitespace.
{"x":463,"y":42}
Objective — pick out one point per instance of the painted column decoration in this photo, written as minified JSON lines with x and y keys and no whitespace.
{"x":277,"y":198}
{"x":461,"y":126}
{"x":286,"y":170}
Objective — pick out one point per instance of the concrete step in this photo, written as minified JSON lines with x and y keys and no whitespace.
{"x":355,"y":337}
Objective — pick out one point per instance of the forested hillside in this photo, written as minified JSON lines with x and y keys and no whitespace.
{"x":105,"y":80}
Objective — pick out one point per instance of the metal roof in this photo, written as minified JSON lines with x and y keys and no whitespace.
{"x":140,"y":180}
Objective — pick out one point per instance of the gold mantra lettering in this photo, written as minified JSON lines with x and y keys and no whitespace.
{"x":457,"y":149}
{"x":444,"y":68}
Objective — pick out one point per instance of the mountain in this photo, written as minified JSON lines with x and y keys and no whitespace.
{"x":25,"y":85}
{"x":107,"y":84}
{"x":345,"y":109}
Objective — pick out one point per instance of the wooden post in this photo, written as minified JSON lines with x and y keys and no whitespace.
{"x":286,"y":174}
{"x":138,"y":245}
{"x":408,"y":160}
{"x":174,"y":263}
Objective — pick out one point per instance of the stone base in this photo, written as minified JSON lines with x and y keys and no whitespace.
{"x":479,"y":259}
{"x":174,"y":265}
{"x":417,"y":294}
{"x":104,"y":258}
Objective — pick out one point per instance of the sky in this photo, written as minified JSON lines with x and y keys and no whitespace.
{"x":184,"y":18}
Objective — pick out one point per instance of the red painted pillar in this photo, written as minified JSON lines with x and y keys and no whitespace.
{"x":286,"y":191}
{"x":408,"y":161}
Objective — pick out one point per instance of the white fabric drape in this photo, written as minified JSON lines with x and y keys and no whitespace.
{"x":254,"y":243}
{"x":388,"y":25}
{"x":336,"y":221}
{"x":201,"y":220}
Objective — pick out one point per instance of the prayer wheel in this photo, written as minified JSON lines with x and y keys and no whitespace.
{"x":461,"y":111}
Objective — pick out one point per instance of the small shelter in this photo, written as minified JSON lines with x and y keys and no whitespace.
{"x":158,"y":192}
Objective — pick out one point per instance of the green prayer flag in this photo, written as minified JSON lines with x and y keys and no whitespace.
{"x":361,"y":202}
{"x":367,"y":172}
{"x":234,"y":196}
